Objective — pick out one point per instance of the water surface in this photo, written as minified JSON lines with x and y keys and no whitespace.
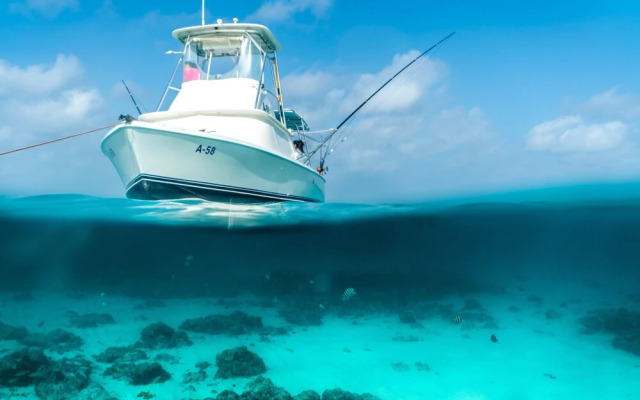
{"x":552,"y":275}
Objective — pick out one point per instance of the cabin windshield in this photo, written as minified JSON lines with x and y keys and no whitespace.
{"x":222,"y":57}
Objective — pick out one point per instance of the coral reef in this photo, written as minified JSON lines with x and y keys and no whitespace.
{"x":161,"y":336}
{"x":124,"y":354}
{"x":623,"y":324}
{"x":237,"y":323}
{"x":52,"y":379}
{"x":338,"y":394}
{"x":238,"y":362}
{"x":92,"y":320}
{"x":8,"y":332}
{"x":57,"y":340}
{"x":142,"y":373}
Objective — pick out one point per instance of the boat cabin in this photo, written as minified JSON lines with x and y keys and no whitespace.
{"x":227,"y":67}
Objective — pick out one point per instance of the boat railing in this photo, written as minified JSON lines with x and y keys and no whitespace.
{"x":173,"y":77}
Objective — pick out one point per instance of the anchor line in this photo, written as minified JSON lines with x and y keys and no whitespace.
{"x":346,"y":121}
{"x":60,"y":139}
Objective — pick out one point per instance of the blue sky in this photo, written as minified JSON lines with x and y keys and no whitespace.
{"x":526,"y":94}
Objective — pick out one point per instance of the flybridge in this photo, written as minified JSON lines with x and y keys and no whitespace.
{"x":261,"y":34}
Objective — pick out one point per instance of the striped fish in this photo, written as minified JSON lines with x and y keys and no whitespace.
{"x":348,"y":293}
{"x":457,"y":319}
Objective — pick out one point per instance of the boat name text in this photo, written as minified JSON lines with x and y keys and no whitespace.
{"x":206,"y":150}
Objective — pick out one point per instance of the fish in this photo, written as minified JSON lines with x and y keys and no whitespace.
{"x":457,"y":319}
{"x":348,"y":293}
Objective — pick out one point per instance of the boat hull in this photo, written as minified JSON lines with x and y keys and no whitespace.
{"x":156,"y":163}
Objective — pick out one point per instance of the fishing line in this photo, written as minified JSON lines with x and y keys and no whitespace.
{"x":392,"y":78}
{"x":327,"y":141}
{"x":309,"y":137}
{"x":59,"y":139}
{"x":350,"y":128}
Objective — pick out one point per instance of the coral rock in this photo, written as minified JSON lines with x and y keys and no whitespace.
{"x":124,"y":354}
{"x":139,"y":374}
{"x":92,"y":320}
{"x":161,"y":336}
{"x":263,"y":389}
{"x":238,"y":362}
{"x":23,"y":368}
{"x":8,"y":332}
{"x":237,"y":323}
{"x":339,"y":394}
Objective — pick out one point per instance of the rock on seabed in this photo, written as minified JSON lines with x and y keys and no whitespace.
{"x":239,"y":362}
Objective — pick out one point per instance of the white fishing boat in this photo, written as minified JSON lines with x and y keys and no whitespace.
{"x":225,"y":135}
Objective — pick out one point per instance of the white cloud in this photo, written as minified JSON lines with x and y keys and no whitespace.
{"x":38,"y":79}
{"x":610,"y":104}
{"x":572,"y":134}
{"x":43,"y":117}
{"x":41,"y":102}
{"x":409,"y":119}
{"x":404,"y":91}
{"x":47,"y":8}
{"x":370,"y":160}
{"x":281,"y":10}
{"x":450,"y":129}
{"x":308,"y":83}
{"x":324,"y":97}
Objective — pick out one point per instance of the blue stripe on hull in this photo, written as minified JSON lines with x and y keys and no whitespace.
{"x":151,"y":187}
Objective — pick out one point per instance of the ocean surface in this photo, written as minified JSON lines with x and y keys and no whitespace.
{"x":515,"y":296}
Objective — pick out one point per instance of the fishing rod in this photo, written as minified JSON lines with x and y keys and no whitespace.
{"x":354,"y":112}
{"x":132,"y":99}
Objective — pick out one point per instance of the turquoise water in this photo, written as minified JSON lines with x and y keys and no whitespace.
{"x":553,"y":274}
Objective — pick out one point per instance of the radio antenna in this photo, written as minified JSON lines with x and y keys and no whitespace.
{"x":202,"y":12}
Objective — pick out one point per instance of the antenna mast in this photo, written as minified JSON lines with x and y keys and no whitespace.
{"x":202,"y":12}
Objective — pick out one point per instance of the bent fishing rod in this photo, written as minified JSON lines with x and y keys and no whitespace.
{"x":354,"y":112}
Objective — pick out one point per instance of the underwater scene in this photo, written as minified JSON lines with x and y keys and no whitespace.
{"x":516,"y":296}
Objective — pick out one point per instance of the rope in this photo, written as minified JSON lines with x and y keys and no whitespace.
{"x":59,"y":139}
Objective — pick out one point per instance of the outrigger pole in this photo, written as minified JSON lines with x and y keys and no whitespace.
{"x":341,"y":124}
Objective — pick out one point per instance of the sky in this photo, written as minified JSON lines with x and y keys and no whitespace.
{"x":526,"y":93}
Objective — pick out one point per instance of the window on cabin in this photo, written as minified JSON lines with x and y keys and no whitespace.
{"x":222,"y":57}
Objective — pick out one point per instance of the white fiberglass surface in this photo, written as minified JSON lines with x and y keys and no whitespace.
{"x":226,"y":94}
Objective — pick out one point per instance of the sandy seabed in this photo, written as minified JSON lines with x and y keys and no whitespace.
{"x":434,"y":350}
